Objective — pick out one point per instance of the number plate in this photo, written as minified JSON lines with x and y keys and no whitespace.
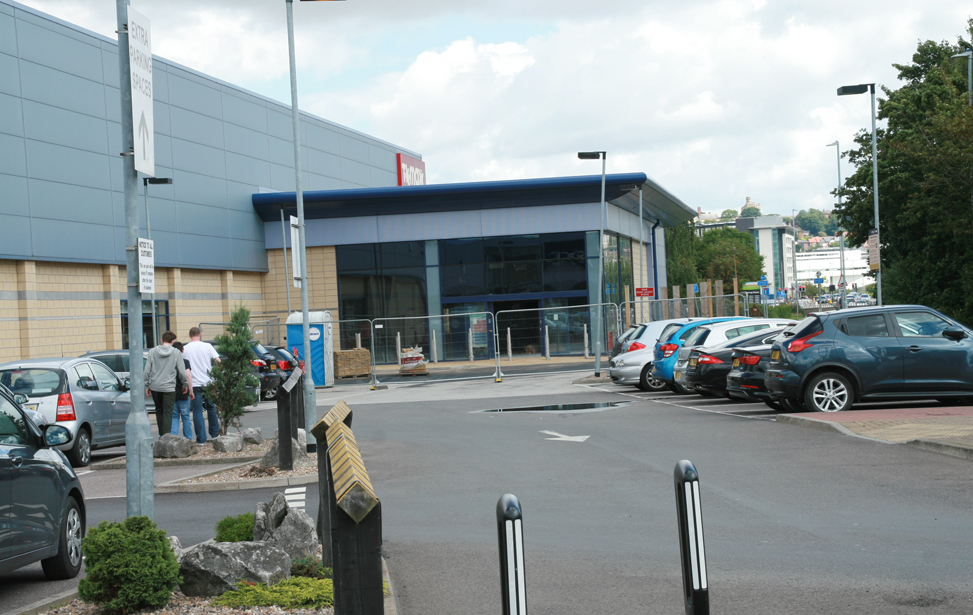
{"x":676,"y":376}
{"x":736,"y":362}
{"x":692,"y":362}
{"x":775,"y":355}
{"x":32,"y":407}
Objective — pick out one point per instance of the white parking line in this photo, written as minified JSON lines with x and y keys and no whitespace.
{"x":296,"y":496}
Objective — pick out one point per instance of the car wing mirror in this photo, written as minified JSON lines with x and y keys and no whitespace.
{"x":56,"y":435}
{"x":20,"y":398}
{"x":954,"y":333}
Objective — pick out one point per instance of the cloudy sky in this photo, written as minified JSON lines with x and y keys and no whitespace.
{"x":716,"y":100}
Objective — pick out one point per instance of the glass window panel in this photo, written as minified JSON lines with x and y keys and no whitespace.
{"x":403,"y":254}
{"x":867,"y":326}
{"x":356,"y":257}
{"x":107,"y":380}
{"x":463,"y":280}
{"x":565,"y":274}
{"x":13,"y":427}
{"x":507,"y":249}
{"x":461,"y":251}
{"x":360,"y":295}
{"x":564,"y":245}
{"x":920,"y":324}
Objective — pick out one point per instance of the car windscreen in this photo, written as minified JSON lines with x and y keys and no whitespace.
{"x":668,"y":331}
{"x":811,"y":324}
{"x":284,"y":354}
{"x":754,"y":338}
{"x":35,"y":382}
{"x":697,"y":337}
{"x":685,"y":334}
{"x":259,"y":349}
{"x":627,"y":334}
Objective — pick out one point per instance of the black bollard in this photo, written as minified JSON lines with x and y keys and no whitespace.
{"x":513,"y":583}
{"x":284,"y":413}
{"x":691,"y":550}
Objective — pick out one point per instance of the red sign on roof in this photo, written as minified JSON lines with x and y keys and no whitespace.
{"x":412,"y":171}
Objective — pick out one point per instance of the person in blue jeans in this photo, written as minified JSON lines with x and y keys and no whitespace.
{"x":201,"y":356}
{"x":181,"y":411}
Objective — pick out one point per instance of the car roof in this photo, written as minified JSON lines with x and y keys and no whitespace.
{"x":870,"y":309}
{"x":96,"y":353}
{"x":53,"y":362}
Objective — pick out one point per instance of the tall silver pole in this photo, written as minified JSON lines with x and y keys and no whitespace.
{"x":878,"y":277}
{"x":841,"y":230}
{"x":287,"y":278}
{"x":645,"y":256}
{"x":310,"y":405}
{"x":600,"y":332}
{"x":139,"y":480}
{"x":148,"y":235}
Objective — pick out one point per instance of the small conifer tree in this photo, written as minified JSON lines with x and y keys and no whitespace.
{"x":234,"y":373}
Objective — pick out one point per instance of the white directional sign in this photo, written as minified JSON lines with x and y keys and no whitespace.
{"x":295,"y":254}
{"x":140,"y":73}
{"x":146,"y":266}
{"x":560,"y":437}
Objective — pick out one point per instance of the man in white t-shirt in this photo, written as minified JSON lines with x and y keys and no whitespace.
{"x":201,"y":356}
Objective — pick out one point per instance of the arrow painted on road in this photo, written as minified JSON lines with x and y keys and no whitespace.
{"x":144,"y":133}
{"x":560,"y":437}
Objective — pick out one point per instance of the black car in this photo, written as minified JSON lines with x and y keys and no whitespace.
{"x":708,"y":367}
{"x":42,"y":499}
{"x":831,"y":360}
{"x":267,"y":370}
{"x":746,"y":378}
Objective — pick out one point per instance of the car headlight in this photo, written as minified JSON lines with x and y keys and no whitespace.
{"x":618,"y":363}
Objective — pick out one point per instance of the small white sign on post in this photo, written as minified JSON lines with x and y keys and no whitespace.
{"x":140,"y":74}
{"x":146,"y":266}
{"x":295,"y":251}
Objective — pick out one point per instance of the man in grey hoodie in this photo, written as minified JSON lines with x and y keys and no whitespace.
{"x":164,"y":371}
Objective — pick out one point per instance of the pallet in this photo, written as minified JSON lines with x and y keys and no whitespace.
{"x":348,"y":376}
{"x":414,"y":373}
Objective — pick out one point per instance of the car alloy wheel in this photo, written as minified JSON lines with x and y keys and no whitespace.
{"x":270,"y":393}
{"x":829,"y":392}
{"x":80,"y":455}
{"x":648,"y":383}
{"x":72,"y":532}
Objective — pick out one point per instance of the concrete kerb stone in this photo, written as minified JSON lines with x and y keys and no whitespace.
{"x":390,"y":606}
{"x":181,"y":486}
{"x":119,"y":464}
{"x":945,"y":448}
{"x":45,"y":605}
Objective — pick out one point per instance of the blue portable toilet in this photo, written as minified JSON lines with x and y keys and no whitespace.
{"x":320,"y":332}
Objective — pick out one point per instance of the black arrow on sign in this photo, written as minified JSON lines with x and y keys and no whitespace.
{"x":144,"y":133}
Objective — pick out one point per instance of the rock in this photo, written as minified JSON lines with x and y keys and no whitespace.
{"x":229,"y":443}
{"x":272,"y":458}
{"x":172,"y":446}
{"x":287,"y":528}
{"x":301,"y":437}
{"x":252,"y":435}
{"x":213,"y":568}
{"x":176,"y":546}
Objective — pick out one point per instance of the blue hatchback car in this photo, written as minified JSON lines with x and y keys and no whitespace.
{"x":831,"y":360}
{"x":667,"y":348}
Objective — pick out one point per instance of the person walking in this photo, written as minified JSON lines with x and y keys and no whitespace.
{"x":163,"y":377}
{"x":201,"y":356}
{"x":182,"y":409}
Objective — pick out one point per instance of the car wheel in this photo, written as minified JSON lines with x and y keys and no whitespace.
{"x":648,"y":383}
{"x":80,"y":454}
{"x":678,"y":389}
{"x":67,"y":563}
{"x":774,"y":405}
{"x":829,"y":392}
{"x":270,"y":394}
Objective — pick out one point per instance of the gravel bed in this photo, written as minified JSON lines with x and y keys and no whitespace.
{"x":206,"y":451}
{"x":185,"y":605}
{"x":253,"y":471}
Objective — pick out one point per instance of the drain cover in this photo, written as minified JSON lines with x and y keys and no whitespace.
{"x":590,"y":407}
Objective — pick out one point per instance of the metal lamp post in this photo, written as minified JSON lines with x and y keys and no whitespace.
{"x":968,"y":54}
{"x":599,"y":334}
{"x":148,"y":231}
{"x":310,"y":405}
{"x":841,"y":231}
{"x":845,"y":90}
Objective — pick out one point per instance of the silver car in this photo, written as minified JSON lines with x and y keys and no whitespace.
{"x":634,"y":367}
{"x":82,"y":395}
{"x":118,"y":362}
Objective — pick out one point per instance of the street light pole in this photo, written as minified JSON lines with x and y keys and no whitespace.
{"x":599,"y":333}
{"x":861,"y":89}
{"x":841,"y":231}
{"x":968,"y":54}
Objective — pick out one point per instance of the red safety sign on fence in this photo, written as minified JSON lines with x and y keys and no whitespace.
{"x":645,"y":292}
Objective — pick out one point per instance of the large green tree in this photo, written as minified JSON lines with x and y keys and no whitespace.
{"x":234,"y":373}
{"x":728,"y":214}
{"x":812,"y":221}
{"x":723,"y":252}
{"x":750,"y":211}
{"x":681,"y":245}
{"x":925,"y":166}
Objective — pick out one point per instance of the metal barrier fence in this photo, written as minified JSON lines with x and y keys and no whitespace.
{"x":686,"y":307}
{"x":447,"y":337}
{"x":553,"y":331}
{"x":267,"y":331}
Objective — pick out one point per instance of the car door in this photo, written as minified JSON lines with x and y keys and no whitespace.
{"x":867,"y":344}
{"x":6,"y":477}
{"x":90,"y":404}
{"x":933,"y":362}
{"x":34,"y":517}
{"x":119,"y":402}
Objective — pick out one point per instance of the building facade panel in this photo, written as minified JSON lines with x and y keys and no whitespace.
{"x":11,"y":114}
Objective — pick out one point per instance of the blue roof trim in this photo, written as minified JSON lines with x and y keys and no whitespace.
{"x":620,"y":189}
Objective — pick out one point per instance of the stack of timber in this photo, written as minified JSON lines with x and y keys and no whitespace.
{"x":352,"y":363}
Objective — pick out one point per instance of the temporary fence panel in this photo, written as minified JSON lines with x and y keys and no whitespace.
{"x":267,"y":331}
{"x":555,"y":331}
{"x":702,"y":307}
{"x":457,"y":336}
{"x":352,"y":333}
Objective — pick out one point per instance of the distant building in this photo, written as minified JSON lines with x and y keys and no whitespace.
{"x":828,"y":262}
{"x":774,"y":241}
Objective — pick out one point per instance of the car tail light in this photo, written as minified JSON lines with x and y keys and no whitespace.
{"x":750,"y":359}
{"x":259,"y":364}
{"x":802,"y":343}
{"x":284,"y":365}
{"x":302,"y":365}
{"x":65,"y":408}
{"x":708,"y":359}
{"x":668,"y":349}
{"x":636,"y":346}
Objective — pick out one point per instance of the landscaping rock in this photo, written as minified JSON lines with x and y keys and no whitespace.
{"x":287,"y":528}
{"x":272,"y":458}
{"x":301,"y":437}
{"x":171,"y":446}
{"x":213,"y":568}
{"x":176,"y":546}
{"x":228,"y":443}
{"x":252,"y":435}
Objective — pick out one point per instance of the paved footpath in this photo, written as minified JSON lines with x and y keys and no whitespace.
{"x":944,"y":429}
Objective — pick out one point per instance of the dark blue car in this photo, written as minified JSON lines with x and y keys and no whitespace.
{"x":834,"y":359}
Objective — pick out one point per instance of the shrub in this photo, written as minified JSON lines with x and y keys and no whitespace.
{"x":783,"y":311}
{"x":235,"y":529}
{"x":230,"y":377}
{"x":294,"y":593}
{"x":129,"y":566}
{"x":309,"y":567}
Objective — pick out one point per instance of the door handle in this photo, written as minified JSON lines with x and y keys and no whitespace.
{"x":17,"y":461}
{"x":915,"y":348}
{"x":113,"y":402}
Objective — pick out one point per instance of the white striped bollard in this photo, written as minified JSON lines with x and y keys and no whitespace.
{"x":513,"y":584}
{"x":691,"y":550}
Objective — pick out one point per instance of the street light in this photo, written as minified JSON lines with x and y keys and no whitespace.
{"x":841,"y":231}
{"x":601,"y":255}
{"x":968,"y":54}
{"x":310,"y":405}
{"x":148,"y":231}
{"x":861,"y":89}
